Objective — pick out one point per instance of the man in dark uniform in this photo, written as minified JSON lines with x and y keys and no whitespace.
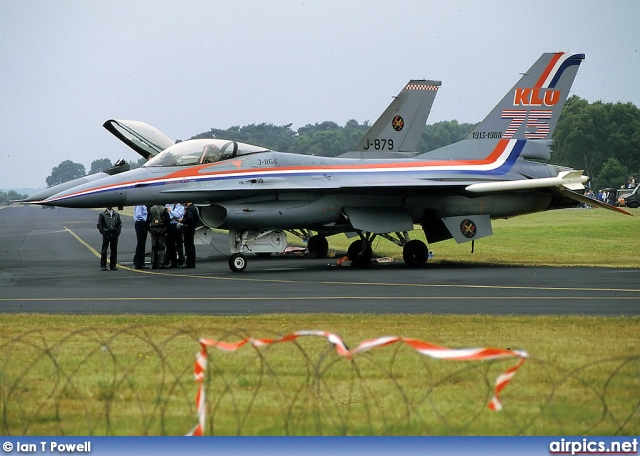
{"x":158,"y":223}
{"x":109,"y":225}
{"x":190,"y":223}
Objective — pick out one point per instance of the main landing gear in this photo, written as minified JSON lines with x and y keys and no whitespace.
{"x":317,"y":244}
{"x":360,"y":253}
{"x":414,"y":252}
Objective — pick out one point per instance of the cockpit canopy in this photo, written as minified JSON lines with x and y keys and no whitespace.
{"x":202,"y":151}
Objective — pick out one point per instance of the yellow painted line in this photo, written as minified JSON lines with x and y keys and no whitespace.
{"x":382,"y":284}
{"x":91,"y":249}
{"x":323,"y":298}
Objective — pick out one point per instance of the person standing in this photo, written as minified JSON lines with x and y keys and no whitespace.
{"x":175,"y":250}
{"x":140,"y":214}
{"x":158,"y":224}
{"x":110,"y":226}
{"x":190,"y":223}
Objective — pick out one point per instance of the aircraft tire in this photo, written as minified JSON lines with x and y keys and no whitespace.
{"x":359,"y":255}
{"x":237,"y":262}
{"x":318,"y":246}
{"x":415,"y":254}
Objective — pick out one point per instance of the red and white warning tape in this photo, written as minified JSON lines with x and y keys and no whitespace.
{"x":424,"y":348}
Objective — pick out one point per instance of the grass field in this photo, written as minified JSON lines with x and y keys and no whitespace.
{"x":132,"y":375}
{"x":571,"y":237}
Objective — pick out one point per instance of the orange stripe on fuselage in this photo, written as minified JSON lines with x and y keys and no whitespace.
{"x":492,"y":157}
{"x":547,"y":70}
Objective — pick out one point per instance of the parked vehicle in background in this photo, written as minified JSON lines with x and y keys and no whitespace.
{"x":629,"y":197}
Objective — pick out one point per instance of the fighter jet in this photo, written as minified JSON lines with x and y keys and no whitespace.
{"x":452,"y":192}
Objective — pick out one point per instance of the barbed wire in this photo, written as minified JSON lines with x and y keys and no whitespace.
{"x":139,"y":381}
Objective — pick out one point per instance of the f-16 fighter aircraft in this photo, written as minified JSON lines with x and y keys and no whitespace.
{"x":451,"y":192}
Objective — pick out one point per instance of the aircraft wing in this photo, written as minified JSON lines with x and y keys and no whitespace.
{"x":565,"y":184}
{"x":590,"y":201}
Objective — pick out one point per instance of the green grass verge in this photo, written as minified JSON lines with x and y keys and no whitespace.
{"x":131,"y":375}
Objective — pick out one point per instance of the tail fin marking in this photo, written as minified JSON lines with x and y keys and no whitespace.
{"x":399,"y":128}
{"x":530,"y":110}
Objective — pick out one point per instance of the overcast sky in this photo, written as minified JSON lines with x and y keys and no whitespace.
{"x":188,"y":66}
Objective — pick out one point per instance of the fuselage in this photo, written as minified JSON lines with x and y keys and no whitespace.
{"x":251,"y":190}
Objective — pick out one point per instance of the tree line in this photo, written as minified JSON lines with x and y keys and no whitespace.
{"x":11,"y":195}
{"x":601,"y":138}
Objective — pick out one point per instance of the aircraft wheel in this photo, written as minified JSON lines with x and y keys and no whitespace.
{"x":237,"y":262}
{"x":359,"y":253}
{"x":415,"y":254}
{"x":318,"y":246}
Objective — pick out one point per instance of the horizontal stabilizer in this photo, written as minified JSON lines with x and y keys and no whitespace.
{"x":571,"y":180}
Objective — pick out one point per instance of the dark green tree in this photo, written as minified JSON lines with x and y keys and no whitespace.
{"x":64,"y":172}
{"x":11,"y":195}
{"x":442,"y":134}
{"x":137,"y":164}
{"x":353,"y":132}
{"x":612,"y":175}
{"x":100,"y":165}
{"x":624,"y":139}
{"x":576,"y":142}
{"x":588,"y":135}
{"x":328,"y":138}
{"x":266,"y":135}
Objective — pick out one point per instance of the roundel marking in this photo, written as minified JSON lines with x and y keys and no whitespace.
{"x":397,"y":123}
{"x":468,"y":228}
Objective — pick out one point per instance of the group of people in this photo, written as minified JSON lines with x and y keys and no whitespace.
{"x":172,"y":228}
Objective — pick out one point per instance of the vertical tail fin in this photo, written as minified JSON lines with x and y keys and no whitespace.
{"x":399,"y":128}
{"x":530,"y":110}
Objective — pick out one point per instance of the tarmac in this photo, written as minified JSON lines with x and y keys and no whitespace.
{"x":49,"y":264}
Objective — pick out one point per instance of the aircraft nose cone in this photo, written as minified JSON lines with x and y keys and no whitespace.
{"x":49,"y":192}
{"x":100,"y":193}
